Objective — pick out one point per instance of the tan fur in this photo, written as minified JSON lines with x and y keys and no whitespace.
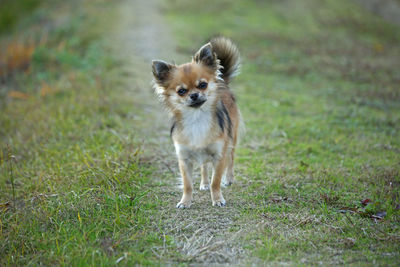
{"x":206,"y":120}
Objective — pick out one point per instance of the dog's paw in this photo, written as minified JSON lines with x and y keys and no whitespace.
{"x":227,"y":183}
{"x":219,"y":203}
{"x":183,"y":205}
{"x":204,"y":187}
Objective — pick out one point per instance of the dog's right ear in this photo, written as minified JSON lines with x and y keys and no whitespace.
{"x":162,"y":71}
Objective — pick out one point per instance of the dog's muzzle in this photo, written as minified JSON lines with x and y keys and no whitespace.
{"x":197,"y":103}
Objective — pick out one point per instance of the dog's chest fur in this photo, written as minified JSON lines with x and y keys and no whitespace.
{"x":196,"y":126}
{"x":196,"y":134}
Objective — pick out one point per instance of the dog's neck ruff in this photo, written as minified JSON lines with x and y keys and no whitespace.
{"x":196,"y":125}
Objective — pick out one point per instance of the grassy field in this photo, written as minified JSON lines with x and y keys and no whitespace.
{"x":83,"y":180}
{"x":71,"y":182}
{"x":319,"y":92}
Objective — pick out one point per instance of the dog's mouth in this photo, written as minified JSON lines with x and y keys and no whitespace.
{"x":197,"y":103}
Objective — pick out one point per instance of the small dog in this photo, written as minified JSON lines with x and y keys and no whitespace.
{"x":204,"y":114}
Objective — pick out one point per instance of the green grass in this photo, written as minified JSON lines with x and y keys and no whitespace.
{"x":73,"y":188}
{"x":12,"y":11}
{"x":319,"y":96}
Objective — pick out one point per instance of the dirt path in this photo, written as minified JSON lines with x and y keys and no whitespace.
{"x":202,"y":233}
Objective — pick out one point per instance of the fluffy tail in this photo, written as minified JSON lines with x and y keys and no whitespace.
{"x":228,"y":55}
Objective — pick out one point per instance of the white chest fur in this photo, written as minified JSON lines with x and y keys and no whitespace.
{"x":196,"y":127}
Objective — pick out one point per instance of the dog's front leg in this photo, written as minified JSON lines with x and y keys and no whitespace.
{"x":186,"y":169}
{"x":216,"y":194}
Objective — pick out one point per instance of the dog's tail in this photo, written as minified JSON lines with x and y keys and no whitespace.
{"x":228,"y":55}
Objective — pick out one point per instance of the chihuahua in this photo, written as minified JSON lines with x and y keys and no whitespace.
{"x":205,"y":117}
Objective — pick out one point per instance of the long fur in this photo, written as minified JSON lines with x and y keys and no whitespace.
{"x":204,"y":114}
{"x":228,"y":56}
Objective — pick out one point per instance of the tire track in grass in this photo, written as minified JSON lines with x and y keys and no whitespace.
{"x":202,"y":234}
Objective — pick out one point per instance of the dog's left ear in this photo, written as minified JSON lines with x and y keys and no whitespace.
{"x":206,"y":56}
{"x":162,"y":71}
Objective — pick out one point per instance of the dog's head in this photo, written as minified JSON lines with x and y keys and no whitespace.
{"x":189,"y":85}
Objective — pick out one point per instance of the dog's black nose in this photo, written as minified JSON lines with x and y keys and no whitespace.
{"x":194,"y":96}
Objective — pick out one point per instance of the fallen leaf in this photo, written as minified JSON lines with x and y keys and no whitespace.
{"x":365,"y":201}
{"x":369,"y":209}
{"x":17,"y":95}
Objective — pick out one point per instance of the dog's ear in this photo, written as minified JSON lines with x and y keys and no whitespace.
{"x":162,"y":71}
{"x":206,"y":56}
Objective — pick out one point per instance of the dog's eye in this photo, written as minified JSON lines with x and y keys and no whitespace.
{"x":182,"y":91}
{"x":202,"y":85}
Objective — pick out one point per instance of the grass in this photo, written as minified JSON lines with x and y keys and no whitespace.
{"x":320,"y":99}
{"x":13,"y":12}
{"x":82,"y":194}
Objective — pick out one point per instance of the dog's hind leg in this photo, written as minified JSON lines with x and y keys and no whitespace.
{"x":229,"y":169}
{"x":204,"y":184}
{"x":216,"y":194}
